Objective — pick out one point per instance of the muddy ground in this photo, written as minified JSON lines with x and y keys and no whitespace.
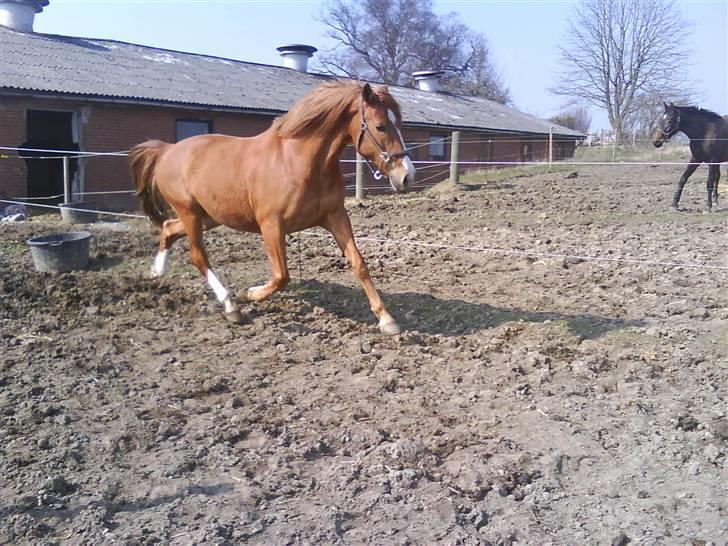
{"x":533,"y":399}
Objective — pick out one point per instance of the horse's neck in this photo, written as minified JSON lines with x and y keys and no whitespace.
{"x":328,"y":148}
{"x":692,"y":125}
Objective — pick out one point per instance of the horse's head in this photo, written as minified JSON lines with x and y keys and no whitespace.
{"x":379,"y":139}
{"x":669,"y":125}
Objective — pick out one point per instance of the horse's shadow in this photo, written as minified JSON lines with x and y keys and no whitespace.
{"x":429,"y":314}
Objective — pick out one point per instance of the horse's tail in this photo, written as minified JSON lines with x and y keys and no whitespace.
{"x":143,"y":159}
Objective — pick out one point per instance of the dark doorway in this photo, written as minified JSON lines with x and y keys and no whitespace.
{"x":49,"y":130}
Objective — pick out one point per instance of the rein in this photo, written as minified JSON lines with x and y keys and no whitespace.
{"x":384,"y":155}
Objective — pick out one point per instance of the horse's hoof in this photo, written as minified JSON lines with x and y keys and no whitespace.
{"x":674,"y":208}
{"x":390,"y":328}
{"x":235,"y":317}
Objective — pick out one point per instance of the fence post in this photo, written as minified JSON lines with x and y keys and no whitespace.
{"x":614,"y":147}
{"x":454,"y":153}
{"x":551,"y":147}
{"x":66,"y":180}
{"x":359,"y":177}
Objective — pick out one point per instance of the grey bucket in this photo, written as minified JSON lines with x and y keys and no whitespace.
{"x":60,"y":252}
{"x":78,"y":213}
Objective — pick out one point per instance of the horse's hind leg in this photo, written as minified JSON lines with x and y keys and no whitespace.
{"x":274,"y":241}
{"x":715,"y":186}
{"x":194,"y":226}
{"x":340,"y":227}
{"x":171,"y":231}
{"x":713,"y":177}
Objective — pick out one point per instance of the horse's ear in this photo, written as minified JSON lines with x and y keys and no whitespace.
{"x":672,"y":105}
{"x":368,"y":94}
{"x":664,"y":104}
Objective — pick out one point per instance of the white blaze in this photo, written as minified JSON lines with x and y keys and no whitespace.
{"x":393,"y":119}
{"x":406,"y":161}
{"x":407,"y":164}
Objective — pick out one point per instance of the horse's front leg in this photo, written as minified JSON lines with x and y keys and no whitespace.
{"x":340,"y":227}
{"x":694,"y":163}
{"x":274,"y":242}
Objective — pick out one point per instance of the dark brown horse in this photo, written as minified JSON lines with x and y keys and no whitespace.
{"x":708,"y":133}
{"x":284,"y":180}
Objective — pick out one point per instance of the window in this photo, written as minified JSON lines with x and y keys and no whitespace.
{"x":437,"y":146}
{"x":487,"y":149}
{"x":187,"y":128}
{"x":526,"y":152}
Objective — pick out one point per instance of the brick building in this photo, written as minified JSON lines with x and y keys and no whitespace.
{"x":87,"y":95}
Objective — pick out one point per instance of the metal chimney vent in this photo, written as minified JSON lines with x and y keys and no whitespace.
{"x":428,"y":80}
{"x":20,"y":14}
{"x":296,"y":56}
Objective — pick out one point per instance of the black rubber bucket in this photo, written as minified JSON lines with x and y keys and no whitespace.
{"x":60,"y":252}
{"x":78,"y":213}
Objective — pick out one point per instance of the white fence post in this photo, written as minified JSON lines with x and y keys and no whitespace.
{"x":551,"y":147}
{"x":454,"y":153}
{"x":66,"y":180}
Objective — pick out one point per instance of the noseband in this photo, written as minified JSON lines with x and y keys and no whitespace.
{"x":384,"y":155}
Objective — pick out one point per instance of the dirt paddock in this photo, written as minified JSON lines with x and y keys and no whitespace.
{"x":533,"y":399}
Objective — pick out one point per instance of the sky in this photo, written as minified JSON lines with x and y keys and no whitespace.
{"x":523,"y":35}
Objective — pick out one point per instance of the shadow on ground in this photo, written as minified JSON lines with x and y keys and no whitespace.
{"x":449,"y":317}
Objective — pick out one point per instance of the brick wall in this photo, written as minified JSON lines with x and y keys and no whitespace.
{"x":108,"y":127}
{"x":12,"y":134}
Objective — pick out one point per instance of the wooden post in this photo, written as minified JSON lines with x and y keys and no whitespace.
{"x":551,"y":147}
{"x":454,"y":153}
{"x":359,"y":177}
{"x":614,"y":147}
{"x":66,"y":181}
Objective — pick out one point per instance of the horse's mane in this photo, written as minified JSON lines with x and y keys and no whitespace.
{"x":321,"y":109}
{"x":701,"y":112}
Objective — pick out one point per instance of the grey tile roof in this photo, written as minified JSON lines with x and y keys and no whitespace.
{"x":75,"y":66}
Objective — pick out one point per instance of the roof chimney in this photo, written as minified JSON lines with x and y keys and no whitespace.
{"x":428,"y":80}
{"x":19,"y":14}
{"x":296,"y":56}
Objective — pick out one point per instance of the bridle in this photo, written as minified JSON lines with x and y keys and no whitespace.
{"x":677,"y":127}
{"x":384,"y":155}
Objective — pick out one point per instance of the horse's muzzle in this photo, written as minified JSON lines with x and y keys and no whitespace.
{"x":659,"y":138}
{"x":402,"y":176}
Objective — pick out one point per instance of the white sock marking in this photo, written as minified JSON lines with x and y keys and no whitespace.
{"x":229,"y":307}
{"x":160,"y":263}
{"x":220,"y":291}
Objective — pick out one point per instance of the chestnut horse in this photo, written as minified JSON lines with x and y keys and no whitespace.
{"x":284,"y":180}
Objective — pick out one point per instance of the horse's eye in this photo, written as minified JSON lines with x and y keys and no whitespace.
{"x":381,"y":128}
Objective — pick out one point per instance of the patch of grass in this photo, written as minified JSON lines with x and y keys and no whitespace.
{"x":13,"y":248}
{"x":627,"y":152}
{"x":474,"y":180}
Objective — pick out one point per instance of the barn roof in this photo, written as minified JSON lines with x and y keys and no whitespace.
{"x":113,"y":70}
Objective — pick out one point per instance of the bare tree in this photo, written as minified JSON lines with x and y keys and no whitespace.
{"x":648,"y":112}
{"x":619,"y":50}
{"x":575,"y":117}
{"x":388,"y":40}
